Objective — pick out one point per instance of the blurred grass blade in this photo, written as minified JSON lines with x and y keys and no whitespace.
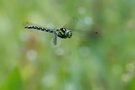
{"x":13,"y":81}
{"x":131,"y":85}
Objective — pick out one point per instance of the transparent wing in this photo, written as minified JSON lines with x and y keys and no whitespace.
{"x":55,"y":39}
{"x":71,"y":24}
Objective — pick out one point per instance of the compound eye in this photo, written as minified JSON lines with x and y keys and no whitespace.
{"x":69,"y":34}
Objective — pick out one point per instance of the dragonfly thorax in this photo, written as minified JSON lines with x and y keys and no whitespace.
{"x":64,"y":33}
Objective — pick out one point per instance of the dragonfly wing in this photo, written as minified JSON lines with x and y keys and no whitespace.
{"x":71,"y":24}
{"x":55,"y":39}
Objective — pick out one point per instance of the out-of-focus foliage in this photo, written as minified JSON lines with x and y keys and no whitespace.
{"x":13,"y":82}
{"x":99,"y":56}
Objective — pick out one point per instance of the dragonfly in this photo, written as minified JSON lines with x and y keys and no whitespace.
{"x":62,"y":32}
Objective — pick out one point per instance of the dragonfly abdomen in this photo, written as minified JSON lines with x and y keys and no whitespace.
{"x":39,"y":28}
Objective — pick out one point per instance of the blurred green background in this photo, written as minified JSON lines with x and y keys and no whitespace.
{"x":99,"y":56}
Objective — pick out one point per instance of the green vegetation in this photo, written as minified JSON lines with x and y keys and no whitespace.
{"x":99,"y":56}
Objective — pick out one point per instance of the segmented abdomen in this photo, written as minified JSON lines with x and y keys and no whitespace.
{"x":39,"y":28}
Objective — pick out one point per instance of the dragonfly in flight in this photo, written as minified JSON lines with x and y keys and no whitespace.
{"x":60,"y":32}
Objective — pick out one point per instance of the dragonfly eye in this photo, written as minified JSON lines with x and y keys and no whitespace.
{"x":69,"y":34}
